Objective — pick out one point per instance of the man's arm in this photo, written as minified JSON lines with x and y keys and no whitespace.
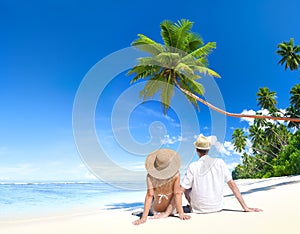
{"x":232,"y":185}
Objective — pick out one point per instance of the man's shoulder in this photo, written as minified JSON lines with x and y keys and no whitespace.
{"x":220,"y":163}
{"x":217,"y":160}
{"x":220,"y":160}
{"x":193,"y":165}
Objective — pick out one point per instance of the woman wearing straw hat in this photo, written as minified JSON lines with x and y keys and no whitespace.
{"x":204,"y":182}
{"x":163,"y":185}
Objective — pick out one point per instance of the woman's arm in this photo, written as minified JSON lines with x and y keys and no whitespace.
{"x":147,"y":204}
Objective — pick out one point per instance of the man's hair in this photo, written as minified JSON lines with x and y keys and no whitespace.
{"x":202,"y":152}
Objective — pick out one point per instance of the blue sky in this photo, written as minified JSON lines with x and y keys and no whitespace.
{"x":48,"y":47}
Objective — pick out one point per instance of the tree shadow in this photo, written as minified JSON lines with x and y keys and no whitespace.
{"x":266,"y":188}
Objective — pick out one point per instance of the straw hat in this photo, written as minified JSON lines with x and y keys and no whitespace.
{"x":162,"y":163}
{"x":202,"y":143}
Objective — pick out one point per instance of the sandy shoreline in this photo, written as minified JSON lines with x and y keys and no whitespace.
{"x":278,"y":197}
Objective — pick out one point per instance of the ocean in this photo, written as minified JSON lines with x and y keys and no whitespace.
{"x":36,"y":199}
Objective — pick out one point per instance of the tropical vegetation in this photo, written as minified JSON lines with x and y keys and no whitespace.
{"x":272,"y":148}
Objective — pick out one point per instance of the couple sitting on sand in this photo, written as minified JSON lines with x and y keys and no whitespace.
{"x":202,"y":185}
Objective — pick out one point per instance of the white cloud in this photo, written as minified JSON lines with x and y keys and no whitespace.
{"x":249,"y":120}
{"x":226,"y":148}
{"x":262,"y":112}
{"x":219,"y":146}
{"x":168,"y":140}
{"x":228,"y":145}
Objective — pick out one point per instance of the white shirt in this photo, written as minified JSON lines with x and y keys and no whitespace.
{"x":206,"y":178}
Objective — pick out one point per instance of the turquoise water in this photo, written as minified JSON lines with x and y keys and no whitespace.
{"x":46,"y":198}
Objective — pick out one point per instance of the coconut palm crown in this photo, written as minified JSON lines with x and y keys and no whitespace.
{"x":181,"y":59}
{"x":289,"y":54}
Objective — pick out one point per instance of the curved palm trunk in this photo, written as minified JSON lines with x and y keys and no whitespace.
{"x":232,"y":114}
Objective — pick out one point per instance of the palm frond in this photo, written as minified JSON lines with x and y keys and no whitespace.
{"x":297,"y":49}
{"x":205,"y":71}
{"x":143,"y":72}
{"x":147,"y":45}
{"x":282,"y":61}
{"x":194,"y":41}
{"x":204,"y":50}
{"x":203,"y":61}
{"x":167,"y":59}
{"x":166,"y":32}
{"x":199,"y":56}
{"x":182,"y":30}
{"x":184,"y":69}
{"x":195,"y":86}
{"x":152,"y":86}
{"x":283,"y":46}
{"x":148,"y":61}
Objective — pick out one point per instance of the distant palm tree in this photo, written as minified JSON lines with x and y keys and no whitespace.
{"x":266,"y":99}
{"x":295,"y":96}
{"x":239,"y":140}
{"x":293,"y":111}
{"x":257,"y":137}
{"x":179,"y":62}
{"x":288,"y":51}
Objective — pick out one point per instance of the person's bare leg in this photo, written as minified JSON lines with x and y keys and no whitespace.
{"x":167,"y":212}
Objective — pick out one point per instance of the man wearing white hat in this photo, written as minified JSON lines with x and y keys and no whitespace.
{"x":204,"y":181}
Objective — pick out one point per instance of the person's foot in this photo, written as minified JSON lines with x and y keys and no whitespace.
{"x":159,"y":215}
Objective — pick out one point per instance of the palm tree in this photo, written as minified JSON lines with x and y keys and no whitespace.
{"x":266,"y":99}
{"x":295,"y":96}
{"x":288,"y":51}
{"x":257,"y":137}
{"x":292,"y":112}
{"x":239,"y":140}
{"x":179,"y":62}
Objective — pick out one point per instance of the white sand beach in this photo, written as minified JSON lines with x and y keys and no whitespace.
{"x":278,"y":197}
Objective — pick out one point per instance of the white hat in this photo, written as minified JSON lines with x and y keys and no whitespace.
{"x":162,"y":163}
{"x":202,"y":143}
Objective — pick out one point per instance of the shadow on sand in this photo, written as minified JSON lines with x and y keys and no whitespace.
{"x":265,"y":188}
{"x":137,"y":205}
